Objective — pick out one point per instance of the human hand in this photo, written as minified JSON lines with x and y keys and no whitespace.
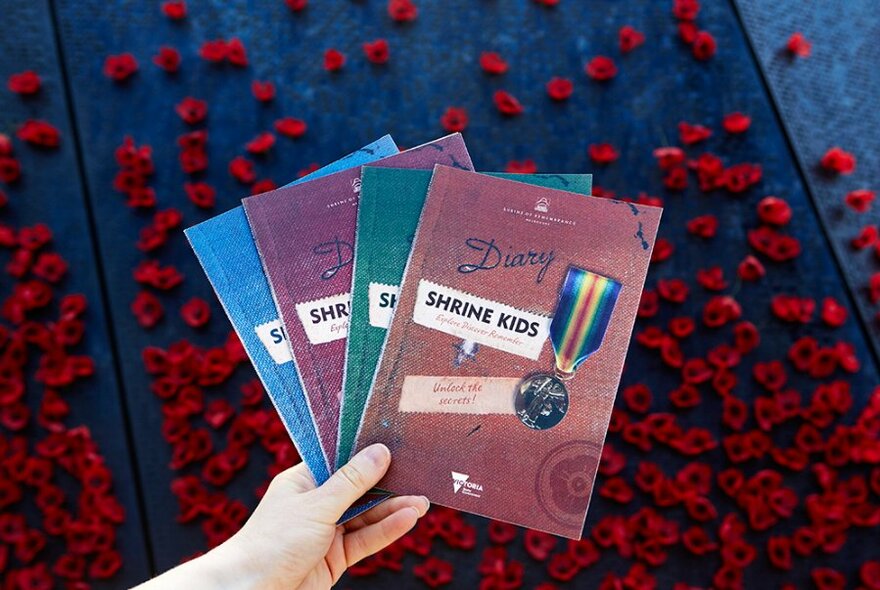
{"x":292,"y":540}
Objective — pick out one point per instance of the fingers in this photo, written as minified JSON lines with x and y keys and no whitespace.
{"x":353,"y":480}
{"x":386,"y":508}
{"x":298,"y":477}
{"x":377,"y":536}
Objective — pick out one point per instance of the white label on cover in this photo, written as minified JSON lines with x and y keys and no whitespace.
{"x":275,"y":340}
{"x":325,"y":320}
{"x":458,"y":395}
{"x":480,"y":320}
{"x":383,"y":299}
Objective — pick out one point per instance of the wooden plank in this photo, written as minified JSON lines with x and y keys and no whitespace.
{"x":50,"y":191}
{"x":434,"y":64}
{"x":828,"y":99}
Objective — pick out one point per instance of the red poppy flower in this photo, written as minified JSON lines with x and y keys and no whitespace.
{"x":691,"y":134}
{"x":10,"y":169}
{"x":563,"y":566}
{"x":201,"y":194}
{"x":263,"y":91}
{"x":791,"y":308}
{"x":860,"y":200}
{"x":663,"y":249}
{"x":750,"y":269}
{"x":39,"y":133}
{"x":492,"y":63}
{"x":296,"y":5}
{"x":174,"y":9}
{"x":736,"y":123}
{"x":120,"y":67}
{"x":697,"y":541}
{"x":242,"y":170}
{"x":214,"y":51}
{"x":774,"y":211}
{"x":637,"y":398}
{"x":402,"y":10}
{"x":506,"y":103}
{"x":833,"y":313}
{"x":798,"y":45}
{"x":50,"y":267}
{"x":539,"y":545}
{"x":560,"y":89}
{"x":704,"y":46}
{"x":192,"y":110}
{"x":712,"y":278}
{"x":291,"y":127}
{"x":454,"y":120}
{"x":673,"y":290}
{"x":105,"y":564}
{"x":669,"y":157}
{"x":629,"y":38}
{"x":739,"y":177}
{"x":838,"y":161}
{"x":263,"y":186}
{"x":685,"y":9}
{"x":147,"y":309}
{"x":168,"y":59}
{"x":261,"y":144}
{"x":434,"y":572}
{"x":826,"y":578}
{"x":704,"y":226}
{"x":602,"y":153}
{"x":24,"y":83}
{"x":521,"y":167}
{"x":376,"y":51}
{"x":501,"y":533}
{"x":333,"y":60}
{"x":616,"y":489}
{"x":601,"y":68}
{"x":236,"y":53}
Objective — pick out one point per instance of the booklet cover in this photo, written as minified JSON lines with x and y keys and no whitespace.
{"x":388,"y":212}
{"x":305,"y":235}
{"x":225,"y":249}
{"x":502,"y":362}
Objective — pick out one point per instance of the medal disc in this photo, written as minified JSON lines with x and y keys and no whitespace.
{"x":541,"y":402}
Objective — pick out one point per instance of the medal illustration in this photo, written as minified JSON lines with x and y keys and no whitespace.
{"x":576,"y":332}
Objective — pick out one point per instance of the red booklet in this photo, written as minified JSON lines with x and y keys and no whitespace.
{"x":502,"y":363}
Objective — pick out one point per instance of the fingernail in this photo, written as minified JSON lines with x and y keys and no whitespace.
{"x":425,"y":505}
{"x":377,"y":453}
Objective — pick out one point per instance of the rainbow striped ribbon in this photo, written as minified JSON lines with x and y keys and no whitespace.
{"x":582,"y":315}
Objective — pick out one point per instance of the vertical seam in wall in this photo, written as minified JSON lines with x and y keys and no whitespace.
{"x":110,"y":330}
{"x":808,"y":187}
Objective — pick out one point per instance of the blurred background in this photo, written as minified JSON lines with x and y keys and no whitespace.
{"x":743,"y":451}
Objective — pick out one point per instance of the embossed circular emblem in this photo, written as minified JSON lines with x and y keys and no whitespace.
{"x":542,"y":402}
{"x":565,"y":481}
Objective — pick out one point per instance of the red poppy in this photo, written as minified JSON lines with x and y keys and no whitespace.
{"x":120,"y":67}
{"x":750,"y":269}
{"x":603,"y":153}
{"x":174,"y":9}
{"x":798,"y":45}
{"x":168,"y":59}
{"x":601,"y":68}
{"x":629,"y":38}
{"x":669,"y":157}
{"x":214,"y":51}
{"x":685,"y":9}
{"x":838,"y":161}
{"x":712,"y":278}
{"x":860,"y":200}
{"x":242,"y":170}
{"x":704,"y":46}
{"x":563,"y":566}
{"x":560,"y":89}
{"x":539,"y":545}
{"x":833,"y":313}
{"x":454,"y":120}
{"x":402,"y":10}
{"x":201,"y":194}
{"x":39,"y":133}
{"x":261,"y":144}
{"x":691,"y":134}
{"x":637,"y":398}
{"x":506,"y":103}
{"x":296,"y":5}
{"x":263,"y":91}
{"x":826,"y":578}
{"x":333,"y":60}
{"x":192,"y":110}
{"x":704,"y":226}
{"x":236,"y":53}
{"x":492,"y":63}
{"x":10,"y":169}
{"x":376,"y":51}
{"x":736,"y":123}
{"x":791,"y":308}
{"x":25,"y":83}
{"x":521,"y":167}
{"x":774,"y":211}
{"x":291,"y":127}
{"x":147,"y":309}
{"x":434,"y":572}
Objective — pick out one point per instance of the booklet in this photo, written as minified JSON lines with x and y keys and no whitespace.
{"x":305,"y":235}
{"x":226,"y":251}
{"x":388,"y":212}
{"x":502,"y":362}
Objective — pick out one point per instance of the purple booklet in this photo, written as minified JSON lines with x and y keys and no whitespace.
{"x":305,"y":237}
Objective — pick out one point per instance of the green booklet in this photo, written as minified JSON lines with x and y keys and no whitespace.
{"x":388,"y":213}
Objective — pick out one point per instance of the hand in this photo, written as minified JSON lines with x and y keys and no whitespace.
{"x":292,"y":540}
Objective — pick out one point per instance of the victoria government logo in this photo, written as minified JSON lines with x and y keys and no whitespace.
{"x":461,"y":483}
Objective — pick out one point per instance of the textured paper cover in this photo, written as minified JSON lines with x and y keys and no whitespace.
{"x":540,"y":479}
{"x":226,"y":251}
{"x":305,"y":237}
{"x":388,"y":212}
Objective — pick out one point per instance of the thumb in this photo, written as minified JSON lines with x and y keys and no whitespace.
{"x":353,"y":480}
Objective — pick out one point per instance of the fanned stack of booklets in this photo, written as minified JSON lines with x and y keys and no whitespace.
{"x":476,"y":324}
